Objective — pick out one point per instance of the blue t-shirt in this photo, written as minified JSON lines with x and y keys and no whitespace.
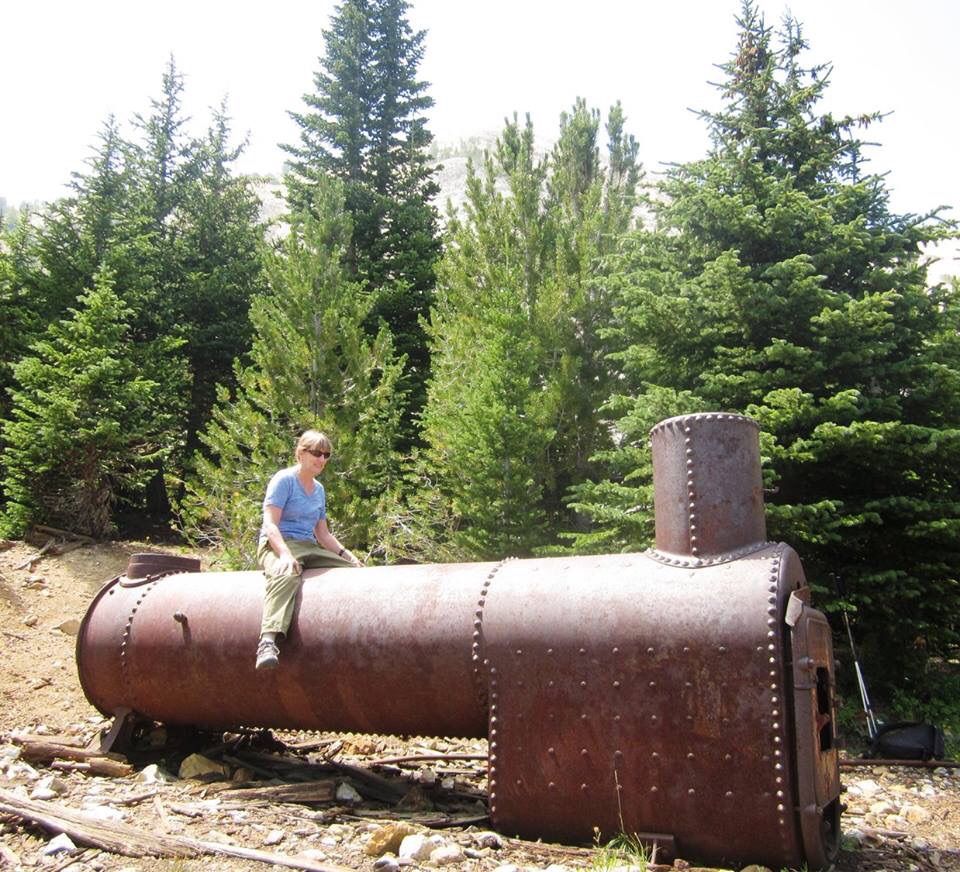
{"x":299,"y":511}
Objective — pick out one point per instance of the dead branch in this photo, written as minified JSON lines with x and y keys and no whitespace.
{"x":115,"y":838}
{"x":310,"y":791}
{"x":923,"y":764}
{"x":410,"y":758}
{"x":131,"y":842}
{"x":31,"y":560}
{"x":97,"y":762}
{"x":64,"y":534}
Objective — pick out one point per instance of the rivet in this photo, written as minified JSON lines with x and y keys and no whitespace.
{"x":655,"y":754}
{"x":778,"y":767}
{"x":551,"y":750}
{"x":727,"y":756}
{"x":583,"y":650}
{"x":583,"y":717}
{"x":616,"y":684}
{"x":776,"y":740}
{"x":686,"y":649}
{"x":549,"y":651}
{"x":550,"y":683}
{"x":477,"y":624}
{"x":551,"y":786}
{"x":583,"y":787}
{"x":493,"y":670}
{"x":728,"y":794}
{"x":689,"y":717}
{"x":653,"y":789}
{"x":616,"y":650}
{"x":722,"y":649}
{"x":780,"y":807}
{"x":519,"y":651}
{"x":775,"y":713}
{"x":583,"y":684}
{"x":519,"y":782}
{"x":478,"y":613}
{"x":691,"y":791}
{"x":653,"y":718}
{"x":776,"y":726}
{"x":690,"y":755}
{"x":493,"y":719}
{"x":652,"y":684}
{"x":650,"y":650}
{"x":774,"y":699}
{"x":778,"y":780}
{"x":688,"y":684}
{"x":584,"y":752}
{"x":778,"y":753}
{"x":618,"y":754}
{"x":771,"y":635}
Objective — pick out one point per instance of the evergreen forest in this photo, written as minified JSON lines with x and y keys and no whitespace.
{"x":488,"y":374}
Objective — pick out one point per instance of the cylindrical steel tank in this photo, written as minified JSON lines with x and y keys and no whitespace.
{"x":684,"y":694}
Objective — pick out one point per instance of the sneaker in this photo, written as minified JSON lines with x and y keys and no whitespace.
{"x":268,"y":655}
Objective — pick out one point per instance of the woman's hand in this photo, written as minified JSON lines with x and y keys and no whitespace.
{"x":287,"y":564}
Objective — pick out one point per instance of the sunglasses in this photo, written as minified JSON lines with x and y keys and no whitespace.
{"x":324,"y":454}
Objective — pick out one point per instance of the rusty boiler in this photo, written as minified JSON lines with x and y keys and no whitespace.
{"x":684,"y":694}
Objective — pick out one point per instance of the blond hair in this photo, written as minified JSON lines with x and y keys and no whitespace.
{"x":313,"y":440}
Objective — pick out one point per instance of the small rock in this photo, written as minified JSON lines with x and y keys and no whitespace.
{"x":488,"y":839}
{"x":19,"y":769}
{"x":557,"y":867}
{"x":103,"y":813}
{"x":919,"y":844}
{"x":61,"y":844}
{"x":474,"y":854}
{"x":197,"y":764}
{"x":346,"y":792}
{"x":30,"y":621}
{"x":418,"y":847}
{"x":313,"y":854}
{"x":428,"y":777}
{"x":448,"y":783}
{"x":755,"y":868}
{"x":241,"y":773}
{"x":446,"y":854}
{"x":48,"y":787}
{"x":69,"y":627}
{"x":915,"y":814}
{"x":274,"y":837}
{"x":387,"y":864}
{"x":153,"y":774}
{"x":867,"y":787}
{"x":881,"y":807}
{"x":507,"y":867}
{"x":330,"y":841}
{"x":387,"y":839}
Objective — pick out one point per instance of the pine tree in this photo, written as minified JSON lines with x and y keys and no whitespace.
{"x":778,"y":283}
{"x":510,"y":422}
{"x":84,"y":428}
{"x":365,"y":126}
{"x":312,"y":365}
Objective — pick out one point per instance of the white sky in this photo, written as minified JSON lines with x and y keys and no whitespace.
{"x":68,"y":64}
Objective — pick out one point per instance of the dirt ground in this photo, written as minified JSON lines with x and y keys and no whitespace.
{"x":897,"y":818}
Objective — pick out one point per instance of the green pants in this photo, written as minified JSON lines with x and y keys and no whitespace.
{"x":282,"y":589}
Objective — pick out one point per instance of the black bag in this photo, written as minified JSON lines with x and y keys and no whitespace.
{"x":908,"y":740}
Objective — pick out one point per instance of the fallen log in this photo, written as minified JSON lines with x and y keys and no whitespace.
{"x":44,"y":751}
{"x":922,"y":764}
{"x":65,"y":534}
{"x":309,"y":791}
{"x":95,"y":766}
{"x":131,"y":842}
{"x":115,"y":838}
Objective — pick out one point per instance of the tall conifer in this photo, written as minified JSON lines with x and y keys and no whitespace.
{"x":364,"y":124}
{"x":778,"y":283}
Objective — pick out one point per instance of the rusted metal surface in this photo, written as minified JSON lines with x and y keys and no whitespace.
{"x":685,"y":693}
{"x":708,"y":491}
{"x":385,"y":649}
